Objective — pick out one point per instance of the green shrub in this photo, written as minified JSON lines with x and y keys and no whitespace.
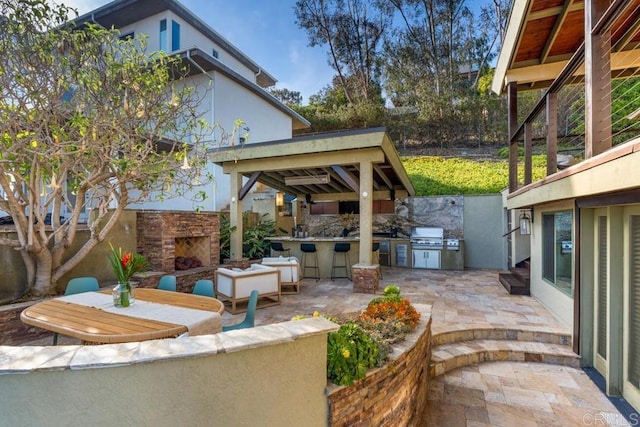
{"x":391,"y":290}
{"x":350,"y":354}
{"x":503,"y":153}
{"x":254,"y":243}
{"x":437,"y":176}
{"x":391,"y":293}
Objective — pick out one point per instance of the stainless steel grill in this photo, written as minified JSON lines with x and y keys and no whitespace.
{"x":427,"y":244}
{"x":427,"y":238}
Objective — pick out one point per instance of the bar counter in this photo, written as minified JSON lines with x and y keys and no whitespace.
{"x":324,"y":246}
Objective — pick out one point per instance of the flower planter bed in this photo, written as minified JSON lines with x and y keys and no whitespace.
{"x":394,"y":394}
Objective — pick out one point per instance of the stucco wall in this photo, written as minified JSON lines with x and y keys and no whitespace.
{"x":560,"y":304}
{"x":264,"y":121}
{"x":189,"y":37}
{"x":96,"y":263}
{"x":13,"y":275}
{"x":484,"y":222}
{"x":273,"y":375}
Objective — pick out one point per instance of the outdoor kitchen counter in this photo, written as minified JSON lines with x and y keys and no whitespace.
{"x":451,"y":260}
{"x":324,"y":245}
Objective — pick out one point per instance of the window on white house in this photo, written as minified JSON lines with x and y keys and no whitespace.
{"x":175,"y":35}
{"x":127,"y":36}
{"x":215,"y":53}
{"x":557,"y":250}
{"x":163,"y":35}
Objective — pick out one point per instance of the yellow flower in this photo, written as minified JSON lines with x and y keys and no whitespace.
{"x":316,"y":314}
{"x":346,"y":353}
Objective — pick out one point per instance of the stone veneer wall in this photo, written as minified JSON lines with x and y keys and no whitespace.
{"x":393,"y":395}
{"x":185,"y":279}
{"x":158,"y":230}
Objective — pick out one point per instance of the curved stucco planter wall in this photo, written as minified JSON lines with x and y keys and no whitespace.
{"x":269,"y":375}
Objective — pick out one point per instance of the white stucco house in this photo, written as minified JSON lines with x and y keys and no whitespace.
{"x":233,"y":87}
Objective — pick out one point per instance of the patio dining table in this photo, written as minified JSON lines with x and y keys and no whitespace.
{"x":93,"y":318}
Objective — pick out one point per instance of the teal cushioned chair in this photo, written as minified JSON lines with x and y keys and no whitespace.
{"x":167,"y":283}
{"x":203,"y":287}
{"x":79,"y":285}
{"x":249,"y":318}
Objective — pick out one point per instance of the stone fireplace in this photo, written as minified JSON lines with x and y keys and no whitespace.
{"x":192,"y":252}
{"x":164,"y":236}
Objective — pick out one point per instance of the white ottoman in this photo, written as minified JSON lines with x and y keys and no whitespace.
{"x":289,"y":273}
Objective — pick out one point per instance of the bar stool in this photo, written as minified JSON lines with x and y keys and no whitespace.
{"x":341,"y":248}
{"x":277,"y":247}
{"x":375,"y":248}
{"x":309,"y":250}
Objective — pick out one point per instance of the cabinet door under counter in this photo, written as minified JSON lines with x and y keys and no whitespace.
{"x":400,"y":253}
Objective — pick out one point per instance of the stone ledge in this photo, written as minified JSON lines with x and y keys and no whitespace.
{"x":19,"y":360}
{"x":457,"y":334}
{"x":448,"y":357}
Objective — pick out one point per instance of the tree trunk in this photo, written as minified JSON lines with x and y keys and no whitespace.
{"x":43,"y":284}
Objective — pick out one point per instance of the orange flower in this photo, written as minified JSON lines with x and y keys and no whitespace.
{"x":402,"y":311}
{"x":126,"y":258}
{"x":125,"y":264}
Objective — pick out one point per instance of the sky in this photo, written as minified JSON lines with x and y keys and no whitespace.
{"x":265,"y":30}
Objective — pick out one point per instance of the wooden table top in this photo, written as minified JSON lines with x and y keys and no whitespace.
{"x":93,"y":325}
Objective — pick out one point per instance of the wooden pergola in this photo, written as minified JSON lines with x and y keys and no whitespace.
{"x":360,"y":165}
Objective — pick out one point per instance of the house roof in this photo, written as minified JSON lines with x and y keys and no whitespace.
{"x":338,"y":155}
{"x":542,"y":35}
{"x":120,"y":13}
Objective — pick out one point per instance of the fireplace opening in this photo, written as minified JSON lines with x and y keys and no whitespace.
{"x":192,"y":252}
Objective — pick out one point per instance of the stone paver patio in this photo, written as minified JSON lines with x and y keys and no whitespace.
{"x":503,"y":393}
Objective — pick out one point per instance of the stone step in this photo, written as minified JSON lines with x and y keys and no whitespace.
{"x":513,"y":285}
{"x":522,"y":274}
{"x":447,"y":357}
{"x":499,"y":333}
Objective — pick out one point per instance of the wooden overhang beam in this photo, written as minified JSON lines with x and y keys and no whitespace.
{"x":395,"y":163}
{"x":247,"y":187}
{"x":555,"y":30}
{"x":337,"y":183}
{"x":383,"y":176}
{"x":305,"y":161}
{"x":566,"y":74}
{"x":275,"y":183}
{"x":351,"y":180}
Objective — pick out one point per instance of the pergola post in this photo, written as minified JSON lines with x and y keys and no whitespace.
{"x":366,"y":212}
{"x":597,"y":67}
{"x":235,"y":216}
{"x":365,"y":275}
